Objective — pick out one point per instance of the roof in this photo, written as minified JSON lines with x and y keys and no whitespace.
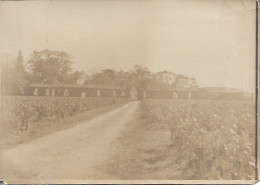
{"x":221,"y":90}
{"x":98,"y":86}
{"x":175,"y":89}
{"x":103,"y":86}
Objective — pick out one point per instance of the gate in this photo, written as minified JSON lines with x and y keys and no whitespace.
{"x":133,"y":94}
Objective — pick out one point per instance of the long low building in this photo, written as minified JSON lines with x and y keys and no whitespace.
{"x":223,"y":93}
{"x":74,"y":90}
{"x":109,"y":91}
{"x":94,"y":90}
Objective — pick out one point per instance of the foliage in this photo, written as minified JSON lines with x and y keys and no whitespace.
{"x":13,"y":77}
{"x":18,"y":112}
{"x":213,"y":138}
{"x":49,"y":66}
{"x":76,"y":77}
{"x":54,"y":67}
{"x":142,"y":78}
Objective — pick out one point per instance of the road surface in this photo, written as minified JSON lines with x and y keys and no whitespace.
{"x":67,"y":154}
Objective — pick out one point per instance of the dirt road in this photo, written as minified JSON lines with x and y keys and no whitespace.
{"x":70,"y":153}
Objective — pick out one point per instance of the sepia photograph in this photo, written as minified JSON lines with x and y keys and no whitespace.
{"x":128,"y":91}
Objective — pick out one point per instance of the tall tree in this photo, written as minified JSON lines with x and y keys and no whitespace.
{"x":13,"y":77}
{"x":20,"y":74}
{"x":50,"y":66}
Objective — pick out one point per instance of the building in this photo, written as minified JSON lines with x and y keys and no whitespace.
{"x":73,"y":90}
{"x":105,"y":91}
{"x":223,"y":93}
{"x":108,"y":91}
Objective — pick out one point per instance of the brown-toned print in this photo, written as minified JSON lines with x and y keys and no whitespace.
{"x":128,"y":91}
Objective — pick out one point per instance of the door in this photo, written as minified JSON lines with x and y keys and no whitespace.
{"x":133,"y":94}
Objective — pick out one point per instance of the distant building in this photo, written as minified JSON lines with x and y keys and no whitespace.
{"x":223,"y":93}
{"x":108,"y":91}
{"x":75,"y":90}
{"x":105,"y":91}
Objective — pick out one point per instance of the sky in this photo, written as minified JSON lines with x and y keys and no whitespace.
{"x":210,"y":40}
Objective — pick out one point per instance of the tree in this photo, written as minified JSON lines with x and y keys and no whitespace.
{"x":50,"y":66}
{"x":141,"y":72}
{"x":13,"y":77}
{"x":106,"y":76}
{"x":185,"y":82}
{"x":76,"y":77}
{"x":140,"y":76}
{"x":164,"y":80}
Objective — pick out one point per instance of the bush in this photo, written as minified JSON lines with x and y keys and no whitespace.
{"x":211,"y":137}
{"x":17,"y":112}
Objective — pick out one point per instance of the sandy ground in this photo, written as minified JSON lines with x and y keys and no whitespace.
{"x":141,"y":152}
{"x":68,"y":154}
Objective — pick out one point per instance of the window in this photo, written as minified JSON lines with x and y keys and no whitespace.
{"x":36,"y":92}
{"x":189,"y":95}
{"x":53,"y":92}
{"x":123,"y":94}
{"x":114,"y":93}
{"x":98,"y":93}
{"x":66,"y":92}
{"x":174,"y":95}
{"x":144,"y":94}
{"x":47,"y":93}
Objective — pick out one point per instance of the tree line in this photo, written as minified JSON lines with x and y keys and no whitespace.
{"x":54,"y":67}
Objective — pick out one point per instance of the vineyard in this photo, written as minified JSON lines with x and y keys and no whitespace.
{"x":213,"y":139}
{"x":18,"y":112}
{"x":165,"y":139}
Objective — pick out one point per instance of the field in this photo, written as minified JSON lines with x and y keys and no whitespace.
{"x":185,"y":140}
{"x":19,"y":114}
{"x":213,"y":138}
{"x":148,"y":139}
